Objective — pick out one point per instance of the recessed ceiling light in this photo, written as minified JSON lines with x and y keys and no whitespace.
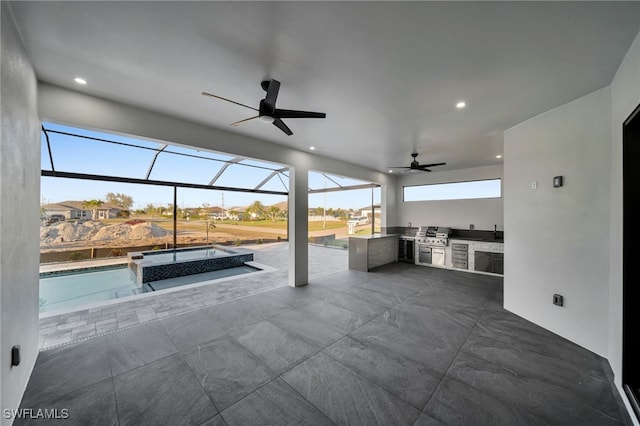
{"x":461,"y":104}
{"x":390,"y":171}
{"x":498,"y":156}
{"x":80,"y":80}
{"x":312,"y":148}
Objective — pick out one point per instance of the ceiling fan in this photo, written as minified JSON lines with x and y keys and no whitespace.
{"x":417,"y":166}
{"x":267,"y":112}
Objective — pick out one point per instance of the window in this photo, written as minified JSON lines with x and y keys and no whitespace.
{"x":490,"y":188}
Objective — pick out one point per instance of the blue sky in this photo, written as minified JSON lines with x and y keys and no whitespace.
{"x":81,"y":155}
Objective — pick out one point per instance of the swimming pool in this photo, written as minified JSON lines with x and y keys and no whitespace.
{"x":149,"y":266}
{"x":162,"y":256}
{"x":75,"y":289}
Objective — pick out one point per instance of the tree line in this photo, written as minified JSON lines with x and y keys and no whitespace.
{"x":256,"y":211}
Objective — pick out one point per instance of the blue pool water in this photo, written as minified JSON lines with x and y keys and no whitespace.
{"x":59,"y":292}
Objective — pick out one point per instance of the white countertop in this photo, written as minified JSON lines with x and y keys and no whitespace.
{"x":374,"y":236}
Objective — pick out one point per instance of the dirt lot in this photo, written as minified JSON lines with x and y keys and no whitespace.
{"x":77,"y":239}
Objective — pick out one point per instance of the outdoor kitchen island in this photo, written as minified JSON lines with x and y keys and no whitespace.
{"x":370,"y":251}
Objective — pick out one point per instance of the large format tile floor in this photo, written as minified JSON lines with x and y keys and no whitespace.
{"x":400,"y":345}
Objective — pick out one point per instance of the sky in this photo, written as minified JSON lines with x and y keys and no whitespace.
{"x":81,"y":155}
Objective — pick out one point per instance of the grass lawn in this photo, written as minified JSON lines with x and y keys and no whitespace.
{"x":200,"y":225}
{"x":282,"y":224}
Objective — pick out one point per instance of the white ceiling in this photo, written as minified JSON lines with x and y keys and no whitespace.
{"x":387,"y":74}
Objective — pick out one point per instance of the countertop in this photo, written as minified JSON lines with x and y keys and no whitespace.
{"x":374,"y":236}
{"x":484,"y":240}
{"x":479,"y":239}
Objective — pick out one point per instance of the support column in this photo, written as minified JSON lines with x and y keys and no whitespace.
{"x":298,"y":226}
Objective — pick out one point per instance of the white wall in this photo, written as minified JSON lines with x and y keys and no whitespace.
{"x":483,"y":213}
{"x":19,"y":215}
{"x":625,"y":97}
{"x":557,"y":239}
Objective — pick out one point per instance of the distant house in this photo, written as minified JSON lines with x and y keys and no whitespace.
{"x":215,"y":212}
{"x":366,"y":211}
{"x":75,"y":210}
{"x":235,"y":213}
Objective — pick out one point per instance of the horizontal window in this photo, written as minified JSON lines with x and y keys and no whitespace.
{"x":454,"y":190}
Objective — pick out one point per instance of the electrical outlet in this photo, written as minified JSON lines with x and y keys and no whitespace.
{"x":15,"y":356}
{"x":534,"y":184}
{"x":558,"y":300}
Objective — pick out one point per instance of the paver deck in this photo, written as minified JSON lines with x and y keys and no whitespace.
{"x":62,"y":329}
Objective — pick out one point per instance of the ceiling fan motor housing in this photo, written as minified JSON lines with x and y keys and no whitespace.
{"x":266,"y":109}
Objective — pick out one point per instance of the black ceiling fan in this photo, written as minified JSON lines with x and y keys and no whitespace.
{"x":417,"y":166}
{"x":268,"y":112}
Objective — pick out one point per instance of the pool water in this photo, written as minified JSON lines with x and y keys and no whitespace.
{"x":180,"y":255}
{"x":60,"y":292}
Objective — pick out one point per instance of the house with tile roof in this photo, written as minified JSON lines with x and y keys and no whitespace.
{"x":77,"y":210}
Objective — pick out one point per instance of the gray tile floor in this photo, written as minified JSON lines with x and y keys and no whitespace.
{"x":403,"y":345}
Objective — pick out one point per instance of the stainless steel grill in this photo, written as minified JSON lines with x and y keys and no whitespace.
{"x":433,"y":236}
{"x":430,"y":243}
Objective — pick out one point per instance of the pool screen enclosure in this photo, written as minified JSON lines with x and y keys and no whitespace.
{"x":75,"y":153}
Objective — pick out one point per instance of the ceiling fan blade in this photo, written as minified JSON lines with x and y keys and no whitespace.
{"x":272,"y":92}
{"x":292,"y":113}
{"x":228,"y":100}
{"x":243,"y":121}
{"x":398,"y":167}
{"x":280,"y":125}
{"x":432,"y":165}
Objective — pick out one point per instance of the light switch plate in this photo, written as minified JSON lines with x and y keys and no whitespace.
{"x":557,"y":181}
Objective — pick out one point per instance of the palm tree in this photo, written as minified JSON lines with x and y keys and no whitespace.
{"x":274,"y":212}
{"x":93,"y":205}
{"x":255,"y":210}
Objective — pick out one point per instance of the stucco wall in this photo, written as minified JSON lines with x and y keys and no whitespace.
{"x":19,"y":215}
{"x":558,"y":238}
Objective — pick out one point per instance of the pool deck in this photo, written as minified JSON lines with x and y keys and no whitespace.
{"x":62,"y":329}
{"x":95,"y":263}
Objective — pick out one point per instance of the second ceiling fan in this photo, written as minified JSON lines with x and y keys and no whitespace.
{"x":414,"y":165}
{"x":267,"y":110}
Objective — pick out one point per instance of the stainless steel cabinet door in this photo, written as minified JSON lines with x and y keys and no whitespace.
{"x":424,"y":254}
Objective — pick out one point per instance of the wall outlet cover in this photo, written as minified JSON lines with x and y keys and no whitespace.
{"x":15,"y":356}
{"x":558,"y":300}
{"x":534,"y":184}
